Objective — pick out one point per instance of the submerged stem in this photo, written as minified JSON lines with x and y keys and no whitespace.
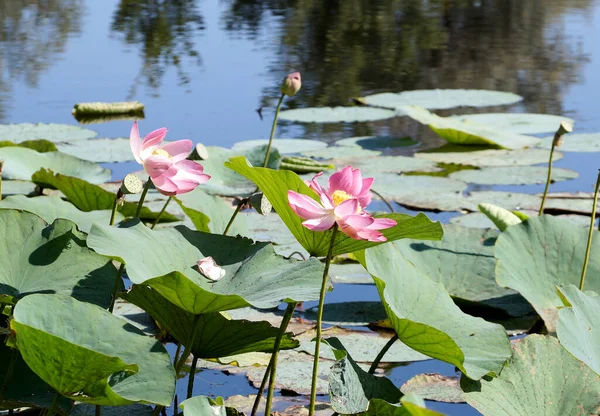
{"x":162,"y":211}
{"x":142,"y":198}
{"x":590,"y":235}
{"x":190,"y":388}
{"x":315,"y":372}
{"x":266,"y":162}
{"x":282,"y":328}
{"x":548,"y":180}
{"x":379,"y":357}
{"x":118,"y":279}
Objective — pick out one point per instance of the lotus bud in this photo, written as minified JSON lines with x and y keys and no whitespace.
{"x":565,"y":127}
{"x":209,"y":269}
{"x":260,"y":203}
{"x":291,"y":84}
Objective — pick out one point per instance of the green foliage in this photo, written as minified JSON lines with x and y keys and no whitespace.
{"x":41,"y":146}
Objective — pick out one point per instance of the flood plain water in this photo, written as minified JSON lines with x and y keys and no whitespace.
{"x":203,"y":68}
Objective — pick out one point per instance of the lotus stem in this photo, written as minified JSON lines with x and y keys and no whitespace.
{"x":590,"y":235}
{"x":315,"y":372}
{"x":113,"y":213}
{"x":98,"y":410}
{"x":177,"y":352}
{"x":53,"y":407}
{"x":548,"y":179}
{"x":142,"y":198}
{"x":9,"y":371}
{"x":383,"y":351}
{"x":162,"y":211}
{"x":266,"y":162}
{"x":190,"y":388}
{"x":385,"y":201}
{"x":282,"y":328}
{"x":235,"y":213}
{"x":118,"y":279}
{"x":261,"y":389}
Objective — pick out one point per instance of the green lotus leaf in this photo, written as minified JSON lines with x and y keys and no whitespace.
{"x":284,"y":146}
{"x":22,"y":163}
{"x":491,"y":157}
{"x":376,"y":142}
{"x":469,"y":133}
{"x":513,"y":175}
{"x":411,"y":405}
{"x":50,"y":208}
{"x":17,"y":188}
{"x":426,"y":319}
{"x":577,"y":325}
{"x":541,"y":253}
{"x":42,"y":258}
{"x":99,"y":150}
{"x":395,"y":164}
{"x":131,"y":410}
{"x":52,"y":132}
{"x":336,"y":114}
{"x":203,"y":406}
{"x":217,"y":336}
{"x":41,"y":146}
{"x":435,"y":387}
{"x":522,"y":123}
{"x":89,"y":355}
{"x":541,"y":379}
{"x":443,"y":99}
{"x":88,"y":197}
{"x":502,"y":218}
{"x":575,"y":142}
{"x":166,"y":261}
{"x":351,"y":388}
{"x":341,"y":152}
{"x":275,"y":186}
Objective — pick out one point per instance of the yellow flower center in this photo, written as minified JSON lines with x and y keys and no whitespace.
{"x":161,"y":152}
{"x":339,"y":197}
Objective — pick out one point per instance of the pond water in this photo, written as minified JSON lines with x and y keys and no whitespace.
{"x":204,"y":68}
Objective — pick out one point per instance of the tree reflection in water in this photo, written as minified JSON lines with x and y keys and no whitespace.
{"x":164,"y":30}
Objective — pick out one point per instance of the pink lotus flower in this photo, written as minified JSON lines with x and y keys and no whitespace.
{"x":344,"y":201}
{"x":167,"y":166}
{"x":209,"y":269}
{"x":291,"y":84}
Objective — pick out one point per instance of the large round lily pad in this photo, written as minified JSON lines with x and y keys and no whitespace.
{"x":284,"y":146}
{"x":17,"y":188}
{"x":540,"y":379}
{"x":52,"y":132}
{"x":578,"y":142}
{"x":436,"y":387}
{"x":376,"y":142}
{"x":443,"y":99}
{"x":90,"y":355}
{"x":394,"y":164}
{"x":469,"y":133}
{"x":166,"y":260}
{"x":336,"y":114}
{"x":99,"y":150}
{"x":42,"y":258}
{"x":521,"y":123}
{"x":22,"y":163}
{"x":513,"y":175}
{"x":332,"y":152}
{"x":483,"y":158}
{"x":52,"y":207}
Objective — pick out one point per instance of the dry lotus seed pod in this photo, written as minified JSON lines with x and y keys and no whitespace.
{"x":132,"y":185}
{"x":565,"y":127}
{"x":200,"y":152}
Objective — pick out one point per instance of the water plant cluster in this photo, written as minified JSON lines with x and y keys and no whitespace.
{"x":97,"y":277}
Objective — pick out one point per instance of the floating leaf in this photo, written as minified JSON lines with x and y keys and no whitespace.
{"x":89,"y":355}
{"x":336,"y":114}
{"x":42,"y":258}
{"x":17,"y":188}
{"x":50,"y":208}
{"x":217,"y":336}
{"x":463,"y":262}
{"x":492,"y":157}
{"x":443,"y":99}
{"x":469,"y":133}
{"x":166,"y":261}
{"x":341,"y":152}
{"x":216,"y":209}
{"x":427,"y":320}
{"x":203,"y":406}
{"x":578,"y":142}
{"x":349,"y":273}
{"x":513,"y":175}
{"x":359,"y":313}
{"x":351,"y":388}
{"x":577,"y":325}
{"x":395,"y":164}
{"x":361,"y":345}
{"x":284,"y":146}
{"x":131,"y":410}
{"x":502,"y":218}
{"x":99,"y":150}
{"x":436,"y":387}
{"x":41,"y":146}
{"x":22,"y":163}
{"x":88,"y":197}
{"x":275,"y":186}
{"x":412,"y":405}
{"x":376,"y":142}
{"x":541,"y":379}
{"x":522,"y":123}
{"x":541,"y":253}
{"x":52,"y":132}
